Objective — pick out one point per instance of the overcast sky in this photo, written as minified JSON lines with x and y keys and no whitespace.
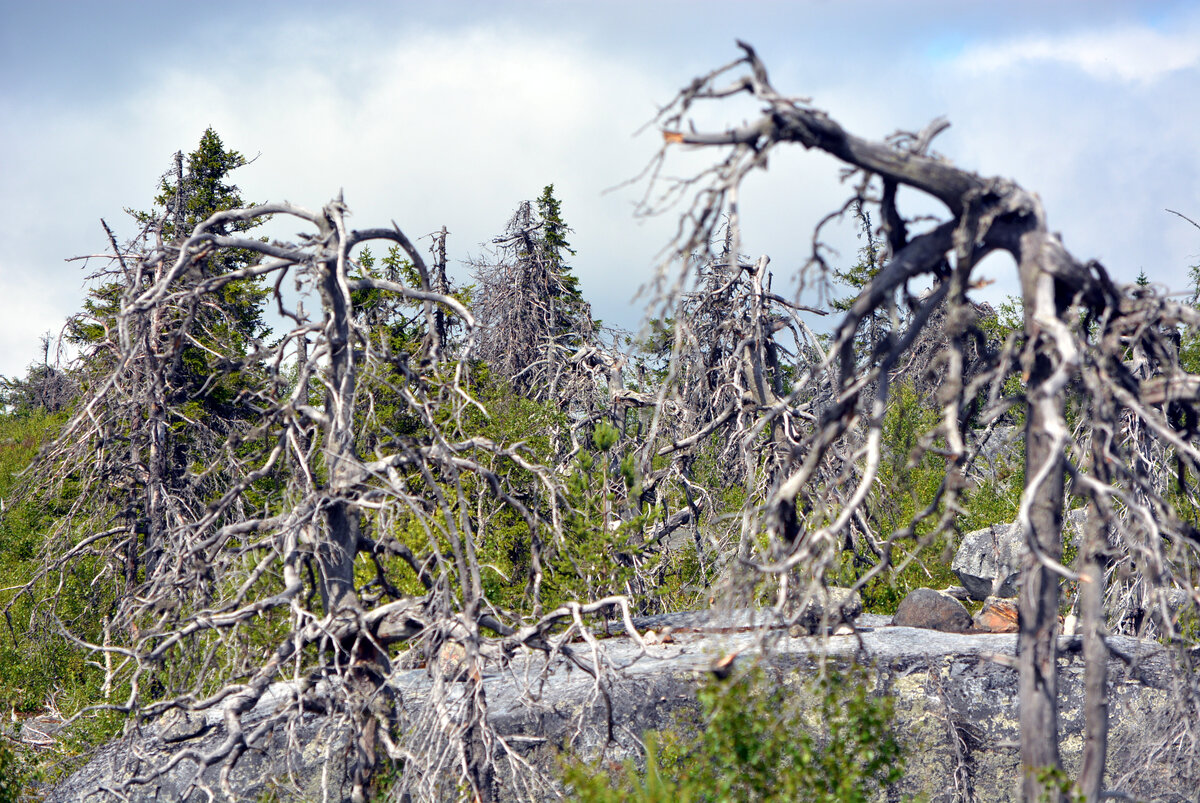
{"x":449,"y":113}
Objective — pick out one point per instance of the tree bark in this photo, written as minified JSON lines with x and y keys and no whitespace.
{"x":1037,"y":647}
{"x":1090,"y":784}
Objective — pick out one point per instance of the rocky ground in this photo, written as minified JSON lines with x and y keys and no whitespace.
{"x":955,"y":693}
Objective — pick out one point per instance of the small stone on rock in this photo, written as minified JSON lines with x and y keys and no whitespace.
{"x":997,"y":616}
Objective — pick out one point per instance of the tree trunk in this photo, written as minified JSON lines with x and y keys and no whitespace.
{"x":1095,"y":656}
{"x":338,"y":546}
{"x":1038,"y":612}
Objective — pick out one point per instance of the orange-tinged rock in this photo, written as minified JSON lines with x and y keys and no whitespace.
{"x":997,"y":616}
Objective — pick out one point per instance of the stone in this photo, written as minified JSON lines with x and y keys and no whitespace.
{"x":955,"y":715}
{"x":40,"y":731}
{"x":308,"y":764}
{"x":933,"y":610}
{"x":828,"y":608}
{"x":1148,"y":610}
{"x":997,"y":616}
{"x":1000,"y":452}
{"x":988,"y":561}
{"x":451,"y":660}
{"x":663,"y":636}
{"x":179,"y":726}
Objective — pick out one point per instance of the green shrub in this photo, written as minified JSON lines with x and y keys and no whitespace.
{"x":759,"y":740}
{"x":14,"y":776}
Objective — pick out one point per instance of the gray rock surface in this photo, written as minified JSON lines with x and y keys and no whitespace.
{"x":1000,"y":452}
{"x":956,"y":712}
{"x":988,"y":561}
{"x":826,"y":609}
{"x":934,"y":610}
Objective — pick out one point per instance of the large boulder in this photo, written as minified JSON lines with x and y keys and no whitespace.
{"x":988,"y":561}
{"x":1001,"y":451}
{"x":822,"y":609}
{"x":932,"y":610}
{"x":955,"y":714}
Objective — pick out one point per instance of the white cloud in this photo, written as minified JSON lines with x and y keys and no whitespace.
{"x":1127,"y":54}
{"x":437,"y":123}
{"x":452,"y":129}
{"x":25,"y":313}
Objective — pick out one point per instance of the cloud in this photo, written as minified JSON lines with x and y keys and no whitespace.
{"x":428,"y":129}
{"x":1126,"y":54}
{"x":25,"y":313}
{"x":453,"y":119}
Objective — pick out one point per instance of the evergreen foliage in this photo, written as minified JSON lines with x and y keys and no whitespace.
{"x":531,"y":470}
{"x":1189,"y":349}
{"x":757,"y":740}
{"x":532,"y":315}
{"x":10,"y":776}
{"x":858,"y":276}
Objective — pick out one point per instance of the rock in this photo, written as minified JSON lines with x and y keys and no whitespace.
{"x":40,"y":731}
{"x":988,"y":561}
{"x":663,"y":636}
{"x":999,"y":454}
{"x":307,"y":764}
{"x":828,"y":608}
{"x":178,"y":726}
{"x":997,"y":616}
{"x":933,"y":610}
{"x":1146,"y":615}
{"x":451,"y":659}
{"x":955,"y":715}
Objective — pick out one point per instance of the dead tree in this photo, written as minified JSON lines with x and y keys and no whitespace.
{"x":726,"y":355}
{"x":532,"y":318}
{"x":537,"y":338}
{"x":45,"y":387}
{"x":300,"y":507}
{"x":1079,"y":329}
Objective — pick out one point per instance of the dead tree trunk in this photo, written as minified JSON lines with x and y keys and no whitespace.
{"x":1045,"y":434}
{"x":1095,"y":654}
{"x":1054,"y":349}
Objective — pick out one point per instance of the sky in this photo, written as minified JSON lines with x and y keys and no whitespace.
{"x":451,"y":113}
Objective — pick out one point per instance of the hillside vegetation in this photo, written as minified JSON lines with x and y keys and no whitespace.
{"x":319,"y":462}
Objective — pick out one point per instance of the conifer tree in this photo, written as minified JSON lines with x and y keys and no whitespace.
{"x":532,"y":315}
{"x":185,"y":200}
{"x":189,"y":397}
{"x":871,"y":258}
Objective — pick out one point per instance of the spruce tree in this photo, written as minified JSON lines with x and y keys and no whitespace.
{"x":532,"y":315}
{"x":861,"y":274}
{"x":184,"y":201}
{"x":192,"y":395}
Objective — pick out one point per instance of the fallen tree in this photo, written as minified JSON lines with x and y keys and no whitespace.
{"x":339,"y":536}
{"x":1111,"y":350}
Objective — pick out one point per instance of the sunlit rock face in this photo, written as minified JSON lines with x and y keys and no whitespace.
{"x":988,"y":561}
{"x":955,"y":702}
